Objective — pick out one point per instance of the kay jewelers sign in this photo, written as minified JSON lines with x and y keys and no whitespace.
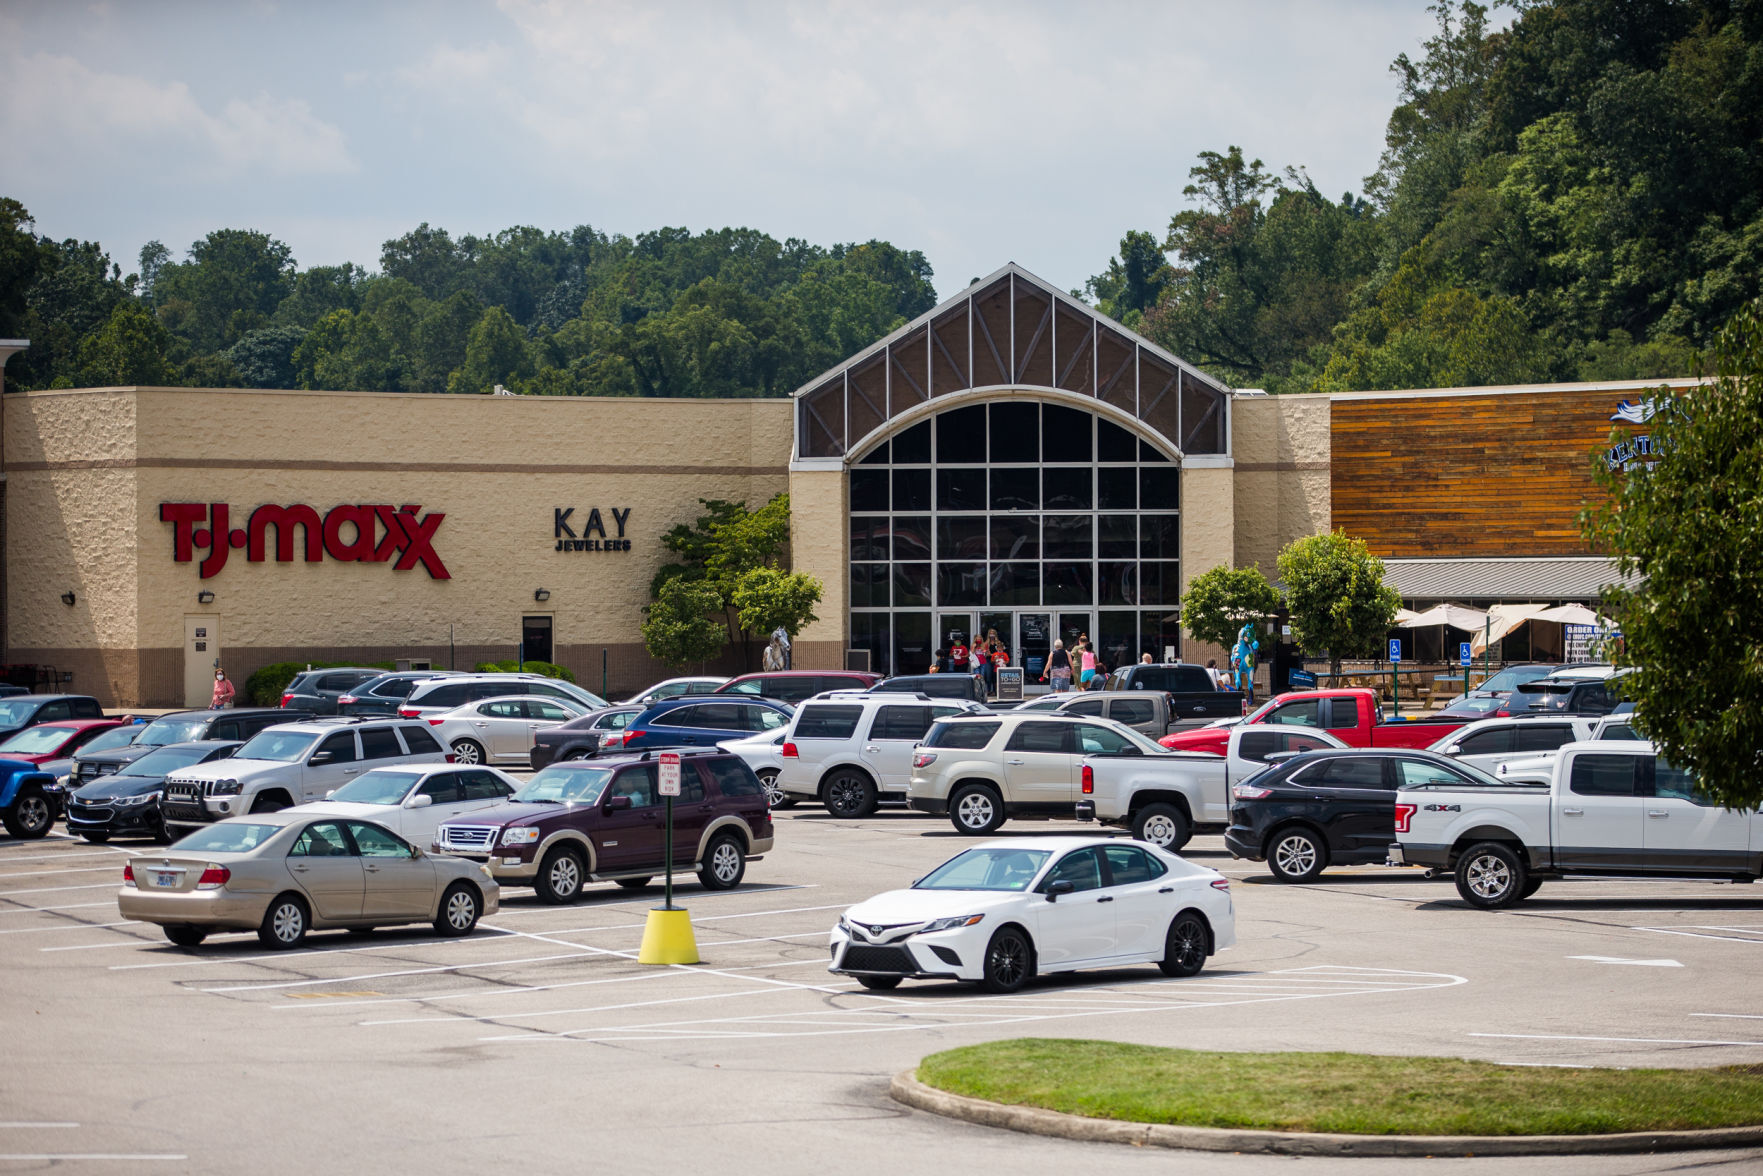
{"x":592,"y":534}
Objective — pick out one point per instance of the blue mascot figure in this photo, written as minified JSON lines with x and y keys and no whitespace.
{"x":1242,"y":657}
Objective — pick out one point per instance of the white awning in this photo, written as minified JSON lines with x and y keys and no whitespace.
{"x":1456,"y":616}
{"x":1570,"y":614}
{"x":1502,"y":619}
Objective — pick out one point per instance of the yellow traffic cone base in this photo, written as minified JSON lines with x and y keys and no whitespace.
{"x":668,"y":938}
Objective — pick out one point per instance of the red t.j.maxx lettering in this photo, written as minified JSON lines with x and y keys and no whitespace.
{"x":379,"y":533}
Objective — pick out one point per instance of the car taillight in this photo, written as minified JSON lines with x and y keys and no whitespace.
{"x":1502,"y":713}
{"x":436,"y":722}
{"x":1089,"y":779}
{"x":128,"y":875}
{"x":213,"y":878}
{"x":287,"y":699}
{"x":790,"y":752}
{"x":409,"y":712}
{"x":451,"y":758}
{"x":345,"y":698}
{"x":1404,"y":814}
{"x":1249,"y":792}
{"x":1245,"y":703}
{"x":631,"y":734}
{"x":923,"y":759}
{"x":1221,"y":884}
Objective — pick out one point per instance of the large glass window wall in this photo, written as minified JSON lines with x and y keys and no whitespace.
{"x":1038,"y":519}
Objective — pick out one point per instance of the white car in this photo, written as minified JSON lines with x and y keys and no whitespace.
{"x":674,"y":688}
{"x":1049,"y":702}
{"x":413,"y":800}
{"x":1004,"y":912}
{"x":500,"y":729}
{"x":1488,"y":743}
{"x":764,"y":753}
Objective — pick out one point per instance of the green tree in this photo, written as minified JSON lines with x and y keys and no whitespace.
{"x":1133,"y":282}
{"x":677,"y":626}
{"x":233,"y":282}
{"x":1689,"y":526}
{"x":495,"y":353}
{"x":264,"y":358}
{"x":347,"y":351}
{"x":768,"y":599}
{"x":128,"y":349}
{"x":21,"y":259}
{"x":1220,"y":599}
{"x":1336,"y":597}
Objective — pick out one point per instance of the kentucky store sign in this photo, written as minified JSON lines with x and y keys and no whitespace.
{"x":346,"y":533}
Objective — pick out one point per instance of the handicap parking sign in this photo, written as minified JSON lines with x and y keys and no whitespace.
{"x":1395,"y":649}
{"x":1463,"y":657}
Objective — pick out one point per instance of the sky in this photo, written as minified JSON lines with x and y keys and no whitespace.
{"x":979,"y":133}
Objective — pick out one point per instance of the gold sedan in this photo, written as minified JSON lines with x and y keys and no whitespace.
{"x":283,"y":874}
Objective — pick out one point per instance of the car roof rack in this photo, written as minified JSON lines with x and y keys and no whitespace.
{"x":349,"y":720}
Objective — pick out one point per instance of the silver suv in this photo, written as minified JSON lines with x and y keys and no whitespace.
{"x":293,"y":763}
{"x":444,"y":694}
{"x":850,"y":750}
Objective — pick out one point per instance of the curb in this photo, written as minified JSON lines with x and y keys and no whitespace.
{"x":907,"y":1089}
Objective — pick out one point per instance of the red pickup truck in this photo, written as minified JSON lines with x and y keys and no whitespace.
{"x":1352,"y":716}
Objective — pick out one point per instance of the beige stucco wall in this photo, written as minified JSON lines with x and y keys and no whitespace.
{"x":820,"y":546}
{"x":1281,"y":486}
{"x":1208,"y":534}
{"x":88,"y":472}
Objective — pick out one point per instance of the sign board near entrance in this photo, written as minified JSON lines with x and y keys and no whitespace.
{"x":1009,"y":683}
{"x":670,"y":773}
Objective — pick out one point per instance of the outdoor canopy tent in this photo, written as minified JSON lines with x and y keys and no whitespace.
{"x":1503,"y":619}
{"x":1457,"y":616}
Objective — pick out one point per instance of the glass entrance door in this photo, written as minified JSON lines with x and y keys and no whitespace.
{"x":1034,"y":641}
{"x":954,"y":628}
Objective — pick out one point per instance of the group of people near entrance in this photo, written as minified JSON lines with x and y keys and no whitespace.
{"x":984,"y":658}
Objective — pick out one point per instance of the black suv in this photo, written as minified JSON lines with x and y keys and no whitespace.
{"x":236,"y":725}
{"x":1332,"y":807}
{"x":317,"y":691}
{"x":384,"y":694}
{"x":27,"y":710}
{"x":601,"y":820}
{"x":127,"y":801}
{"x":1565,"y":696}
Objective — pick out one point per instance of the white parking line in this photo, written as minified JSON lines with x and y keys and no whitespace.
{"x":48,"y":1157}
{"x":1699,"y":933}
{"x":309,"y":983}
{"x":75,"y":870}
{"x":1732,"y":1016}
{"x":198,"y":961}
{"x":33,"y":1126}
{"x":66,"y":927}
{"x":61,"y":857}
{"x":78,"y":906}
{"x":50,"y":889}
{"x":1643,"y":1040}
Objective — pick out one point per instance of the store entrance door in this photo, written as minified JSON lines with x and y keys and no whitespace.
{"x":1034,"y":641}
{"x":201,"y":657}
{"x":535,"y":639}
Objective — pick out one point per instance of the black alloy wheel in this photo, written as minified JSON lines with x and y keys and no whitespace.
{"x":849,"y":794}
{"x":31,"y":816}
{"x":1296,"y":854}
{"x":1009,"y":961}
{"x":1184,"y":948}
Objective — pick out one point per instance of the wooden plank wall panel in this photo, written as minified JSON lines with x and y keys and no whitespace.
{"x":1501,"y":475}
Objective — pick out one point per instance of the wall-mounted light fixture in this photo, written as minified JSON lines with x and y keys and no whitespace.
{"x":205,"y":597}
{"x":68,"y":598}
{"x":542,"y":594}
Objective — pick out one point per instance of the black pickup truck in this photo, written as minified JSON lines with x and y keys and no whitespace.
{"x":1194,"y":698}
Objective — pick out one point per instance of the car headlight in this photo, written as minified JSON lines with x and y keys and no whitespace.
{"x":225,"y":788}
{"x":145,"y":798}
{"x":951,"y":923}
{"x":520,"y":836}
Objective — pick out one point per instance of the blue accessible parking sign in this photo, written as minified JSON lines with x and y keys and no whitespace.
{"x":1395,"y":649}
{"x":1463,"y":657}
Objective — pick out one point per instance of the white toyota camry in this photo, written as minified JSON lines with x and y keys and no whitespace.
{"x":1006,"y":911}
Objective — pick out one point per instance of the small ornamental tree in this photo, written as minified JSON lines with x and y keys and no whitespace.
{"x":677,"y":627}
{"x":1220,"y":599}
{"x":770,"y":599}
{"x":1336,"y":597}
{"x":1690,"y":525}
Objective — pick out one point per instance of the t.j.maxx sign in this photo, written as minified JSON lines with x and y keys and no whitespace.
{"x":346,"y":533}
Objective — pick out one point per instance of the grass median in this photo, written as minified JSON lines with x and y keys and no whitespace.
{"x":1359,"y":1094}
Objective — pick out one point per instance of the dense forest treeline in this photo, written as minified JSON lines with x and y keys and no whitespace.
{"x":1577,"y":196}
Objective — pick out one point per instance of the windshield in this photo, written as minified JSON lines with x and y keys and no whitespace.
{"x":16,"y":711}
{"x":1506,"y":681}
{"x":1620,"y":731}
{"x":227,"y":837}
{"x":565,"y":785}
{"x":35,"y":740}
{"x":376,"y":787}
{"x":1260,"y":712}
{"x":271,"y":744}
{"x":165,"y":760}
{"x":111,"y":740}
{"x":986,"y":869}
{"x":163,"y":731}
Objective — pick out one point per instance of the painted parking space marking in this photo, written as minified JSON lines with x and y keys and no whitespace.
{"x":1597,"y":959}
{"x":75,"y":870}
{"x":1703,"y":931}
{"x":1639,"y":1040}
{"x":31,"y":910}
{"x":66,"y":927}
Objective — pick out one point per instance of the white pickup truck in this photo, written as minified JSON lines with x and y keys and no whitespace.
{"x":1611,"y":807}
{"x":1164,"y":799}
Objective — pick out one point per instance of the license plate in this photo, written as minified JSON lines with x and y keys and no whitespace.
{"x":165,"y":879}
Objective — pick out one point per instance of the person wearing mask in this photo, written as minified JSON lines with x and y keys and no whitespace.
{"x":1058,"y":668}
{"x":958,"y":656}
{"x":223,"y":690}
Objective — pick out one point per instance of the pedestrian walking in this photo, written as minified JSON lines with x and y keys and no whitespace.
{"x":1059,"y":668}
{"x":223,"y":690}
{"x":1087,"y":662}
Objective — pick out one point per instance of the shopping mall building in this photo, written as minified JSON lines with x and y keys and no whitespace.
{"x":1011,"y":460}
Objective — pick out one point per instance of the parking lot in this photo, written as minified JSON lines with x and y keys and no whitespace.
{"x":539,"y":1041}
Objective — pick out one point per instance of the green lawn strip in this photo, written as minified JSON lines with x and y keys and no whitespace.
{"x":1358,"y":1094}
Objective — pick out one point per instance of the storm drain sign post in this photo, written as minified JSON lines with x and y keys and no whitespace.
{"x":667,"y":935}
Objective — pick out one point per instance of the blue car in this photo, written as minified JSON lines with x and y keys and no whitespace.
{"x":29,"y":800}
{"x":704,"y":721}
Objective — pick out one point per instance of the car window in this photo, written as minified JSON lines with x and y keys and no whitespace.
{"x":451,"y":695}
{"x":751,"y":686}
{"x":394,"y":688}
{"x":961,"y":736}
{"x":548,"y":711}
{"x":224,"y":731}
{"x":505,"y":708}
{"x":251,"y":726}
{"x":1671,"y":783}
{"x":1420,"y":774}
{"x":1127,"y":865}
{"x":335,"y":682}
{"x":1299,"y":741}
{"x":943,"y":712}
{"x":478,"y":784}
{"x":1081,"y":868}
{"x":54,"y":712}
{"x":1132,"y":710}
{"x":418,"y":739}
{"x":617,"y":721}
{"x":1085,"y":706}
{"x":761,"y":718}
{"x":1542,"y":736}
{"x":1619,"y":731}
{"x":1347,"y":772}
{"x":1036,"y":736}
{"x":1095,"y":740}
{"x":375,"y":842}
{"x":1496,"y":741}
{"x":380,"y":743}
{"x":1343,"y":714}
{"x":1258,"y":745}
{"x":1604,"y":775}
{"x":734,"y":778}
{"x":638,"y":783}
{"x":87,"y":708}
{"x":827,"y":722}
{"x":443,"y":787}
{"x":900,"y":722}
{"x":322,"y":839}
{"x":341,"y":746}
{"x":705,"y":717}
{"x":1303,"y":713}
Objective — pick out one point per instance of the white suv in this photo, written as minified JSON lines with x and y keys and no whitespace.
{"x":293,"y":763}
{"x":435,"y":695}
{"x":851,"y":750}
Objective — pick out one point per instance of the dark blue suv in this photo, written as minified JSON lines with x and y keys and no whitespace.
{"x":704,"y":720}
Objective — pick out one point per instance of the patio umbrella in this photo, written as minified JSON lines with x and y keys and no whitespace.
{"x":1457,"y":616}
{"x":1502,"y":619}
{"x":1569,"y":614}
{"x":1404,"y":616}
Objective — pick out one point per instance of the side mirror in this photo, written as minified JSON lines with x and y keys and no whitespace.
{"x":1062,"y":886}
{"x":420,"y":800}
{"x":330,"y":794}
{"x":1453,"y":750}
{"x":415,"y":851}
{"x":320,"y":757}
{"x":615,"y":803}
